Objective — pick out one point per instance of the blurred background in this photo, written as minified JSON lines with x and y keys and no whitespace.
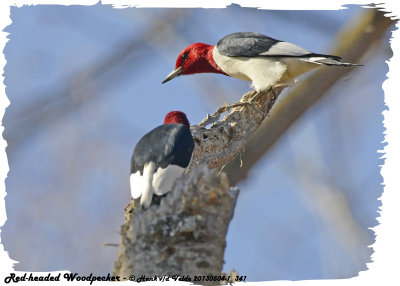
{"x":84,"y":84}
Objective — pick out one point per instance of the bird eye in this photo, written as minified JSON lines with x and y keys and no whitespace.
{"x":184,"y":56}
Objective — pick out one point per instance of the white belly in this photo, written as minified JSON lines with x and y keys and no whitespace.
{"x":263,"y":72}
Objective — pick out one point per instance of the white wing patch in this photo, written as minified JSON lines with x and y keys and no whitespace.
{"x":141,"y":186}
{"x":285,"y":49}
{"x":159,"y":182}
{"x":136,"y":185}
{"x":164,"y":179}
{"x":147,"y":191}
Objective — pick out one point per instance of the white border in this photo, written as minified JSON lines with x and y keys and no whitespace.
{"x":385,"y":266}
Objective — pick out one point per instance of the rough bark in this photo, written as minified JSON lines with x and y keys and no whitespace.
{"x":184,"y":235}
{"x":223,"y":140}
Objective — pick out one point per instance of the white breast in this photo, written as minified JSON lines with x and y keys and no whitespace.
{"x":263,"y":72}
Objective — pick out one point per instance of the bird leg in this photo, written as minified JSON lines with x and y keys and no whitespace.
{"x":271,"y":90}
{"x":210,"y":119}
{"x":254,"y":96}
{"x":247,"y":103}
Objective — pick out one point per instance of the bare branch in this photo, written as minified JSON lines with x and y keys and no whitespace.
{"x":217,"y":145}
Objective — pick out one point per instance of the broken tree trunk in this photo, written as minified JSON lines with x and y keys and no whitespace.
{"x":185,"y":234}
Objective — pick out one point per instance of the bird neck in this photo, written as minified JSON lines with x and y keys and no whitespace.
{"x":205,"y":61}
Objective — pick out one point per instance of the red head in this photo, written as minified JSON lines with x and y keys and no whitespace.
{"x":196,"y":58}
{"x":176,"y":117}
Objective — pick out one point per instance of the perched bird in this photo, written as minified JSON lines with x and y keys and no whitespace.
{"x":160,"y":157}
{"x":254,"y":57}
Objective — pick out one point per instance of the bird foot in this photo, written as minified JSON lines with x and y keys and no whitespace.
{"x":269,"y":90}
{"x":211,"y":119}
{"x":248,"y":103}
{"x":254,"y":96}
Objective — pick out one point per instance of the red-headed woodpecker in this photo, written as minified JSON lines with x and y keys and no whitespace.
{"x":160,"y":157}
{"x":254,"y":57}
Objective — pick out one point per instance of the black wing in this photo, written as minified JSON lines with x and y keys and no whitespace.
{"x":245,"y":44}
{"x":169,"y":144}
{"x":249,"y":44}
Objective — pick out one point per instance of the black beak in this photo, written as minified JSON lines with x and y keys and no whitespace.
{"x":176,"y":72}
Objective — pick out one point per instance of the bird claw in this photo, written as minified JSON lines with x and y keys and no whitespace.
{"x":212,"y":119}
{"x":254,"y":97}
{"x":248,"y":103}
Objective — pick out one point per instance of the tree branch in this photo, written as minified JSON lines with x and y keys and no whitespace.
{"x":353,"y":43}
{"x":217,"y":145}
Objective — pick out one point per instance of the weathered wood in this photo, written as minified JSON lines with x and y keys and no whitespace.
{"x":223,"y":140}
{"x":184,"y":235}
